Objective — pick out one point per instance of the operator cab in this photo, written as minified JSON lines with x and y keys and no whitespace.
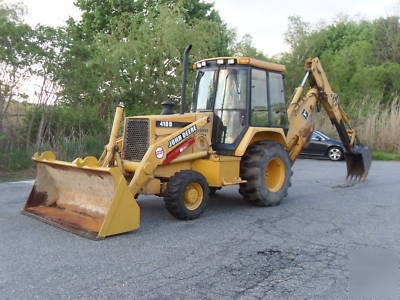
{"x":241,"y":92}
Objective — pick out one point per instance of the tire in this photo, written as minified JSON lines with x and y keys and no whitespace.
{"x":335,"y":153}
{"x":260,"y":159}
{"x":187,"y":195}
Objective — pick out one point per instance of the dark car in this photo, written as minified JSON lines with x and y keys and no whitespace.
{"x":323,"y":146}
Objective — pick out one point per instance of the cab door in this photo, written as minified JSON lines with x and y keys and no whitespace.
{"x":230,"y":121}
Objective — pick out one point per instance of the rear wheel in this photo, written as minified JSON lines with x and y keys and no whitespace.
{"x":266,"y":167}
{"x":187,"y":195}
{"x":335,"y":153}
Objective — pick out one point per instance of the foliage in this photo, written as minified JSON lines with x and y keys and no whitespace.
{"x":17,"y":53}
{"x":65,"y":123}
{"x":136,"y":59}
{"x":17,"y":47}
{"x":103,"y":16}
{"x":378,"y":155}
{"x":361,"y":57}
{"x":245,"y":48}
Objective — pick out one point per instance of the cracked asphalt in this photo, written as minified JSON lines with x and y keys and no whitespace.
{"x":314,"y":245}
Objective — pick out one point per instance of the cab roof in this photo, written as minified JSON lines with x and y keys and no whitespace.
{"x":239,"y":61}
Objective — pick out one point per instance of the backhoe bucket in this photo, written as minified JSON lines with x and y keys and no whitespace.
{"x":358,"y":163}
{"x":82,"y":197}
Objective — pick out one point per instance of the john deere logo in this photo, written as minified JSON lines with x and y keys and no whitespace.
{"x":179,"y":138}
{"x":305,"y":114}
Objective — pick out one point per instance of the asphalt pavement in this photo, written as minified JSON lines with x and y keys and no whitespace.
{"x":328,"y":240}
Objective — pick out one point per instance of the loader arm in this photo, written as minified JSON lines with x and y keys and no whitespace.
{"x":300,"y":114}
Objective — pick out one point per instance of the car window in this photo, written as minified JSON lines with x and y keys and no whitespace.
{"x":314,"y":136}
{"x":323,"y":135}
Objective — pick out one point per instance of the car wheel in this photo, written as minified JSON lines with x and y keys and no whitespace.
{"x":335,"y":153}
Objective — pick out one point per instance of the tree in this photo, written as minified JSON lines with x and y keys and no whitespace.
{"x":245,"y":47}
{"x":386,"y":39}
{"x":17,"y":54}
{"x":103,"y":16}
{"x":360,"y":57}
{"x":139,"y":62}
{"x":51,"y":42}
{"x":297,"y":32}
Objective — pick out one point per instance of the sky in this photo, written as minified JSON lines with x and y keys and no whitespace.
{"x":266,"y":21}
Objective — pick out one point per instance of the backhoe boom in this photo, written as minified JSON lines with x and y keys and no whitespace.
{"x":300,"y":114}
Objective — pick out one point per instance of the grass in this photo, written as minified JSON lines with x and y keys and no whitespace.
{"x":379,"y":155}
{"x":16,"y":164}
{"x":377,"y":125}
{"x":7,"y":176}
{"x":17,"y":159}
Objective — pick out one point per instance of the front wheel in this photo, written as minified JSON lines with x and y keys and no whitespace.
{"x":187,"y":195}
{"x":335,"y":153}
{"x":267,"y":169}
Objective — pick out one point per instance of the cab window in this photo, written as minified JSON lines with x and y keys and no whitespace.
{"x":277,"y":99}
{"x":259,"y":100}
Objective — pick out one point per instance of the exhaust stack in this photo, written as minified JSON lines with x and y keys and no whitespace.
{"x":184,"y":78}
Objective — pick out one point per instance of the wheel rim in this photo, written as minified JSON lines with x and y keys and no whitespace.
{"x":335,"y":154}
{"x":274,"y":174}
{"x":193,"y":196}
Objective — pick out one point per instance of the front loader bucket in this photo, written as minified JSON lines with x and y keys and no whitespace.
{"x":358,"y":163}
{"x":81,"y":197}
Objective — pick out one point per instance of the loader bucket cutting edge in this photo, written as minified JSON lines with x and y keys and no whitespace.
{"x":93,"y":202}
{"x":358,"y":163}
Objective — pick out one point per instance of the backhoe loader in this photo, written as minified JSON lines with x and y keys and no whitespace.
{"x":239,"y":132}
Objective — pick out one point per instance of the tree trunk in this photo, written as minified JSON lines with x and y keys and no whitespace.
{"x":29,"y":134}
{"x":39,"y":136}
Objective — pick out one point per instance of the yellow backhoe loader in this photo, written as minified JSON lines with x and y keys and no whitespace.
{"x":238,"y":132}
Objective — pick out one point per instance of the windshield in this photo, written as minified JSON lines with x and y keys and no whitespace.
{"x":205,"y":89}
{"x":226,"y":86}
{"x":224,"y":91}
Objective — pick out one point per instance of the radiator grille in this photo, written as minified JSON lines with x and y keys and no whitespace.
{"x":136,"y":139}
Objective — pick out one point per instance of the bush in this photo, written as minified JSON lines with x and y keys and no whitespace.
{"x":17,"y":160}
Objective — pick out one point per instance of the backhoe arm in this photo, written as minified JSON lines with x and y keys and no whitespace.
{"x":300,"y":114}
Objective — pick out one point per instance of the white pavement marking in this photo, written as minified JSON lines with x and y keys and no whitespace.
{"x":23,"y":181}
